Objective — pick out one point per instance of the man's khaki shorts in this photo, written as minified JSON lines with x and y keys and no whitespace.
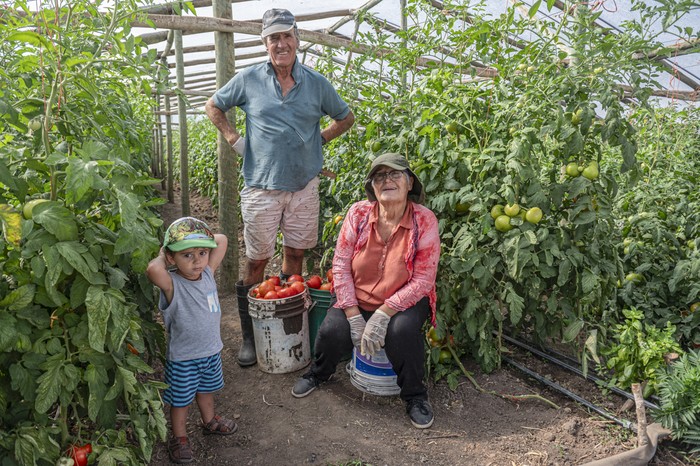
{"x":265,"y":211}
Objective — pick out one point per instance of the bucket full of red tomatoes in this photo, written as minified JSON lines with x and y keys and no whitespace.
{"x":281,"y":324}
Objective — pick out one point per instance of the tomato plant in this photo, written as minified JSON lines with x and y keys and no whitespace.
{"x":73,"y":290}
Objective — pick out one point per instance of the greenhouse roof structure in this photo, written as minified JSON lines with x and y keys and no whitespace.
{"x":339,"y":27}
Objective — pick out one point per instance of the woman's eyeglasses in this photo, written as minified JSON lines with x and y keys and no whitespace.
{"x":393,"y":175}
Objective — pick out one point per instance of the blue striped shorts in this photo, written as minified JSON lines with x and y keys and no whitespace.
{"x":187,"y":378}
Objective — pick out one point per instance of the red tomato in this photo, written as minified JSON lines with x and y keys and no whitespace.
{"x":264,"y":287}
{"x":275,"y":280}
{"x":329,"y":275}
{"x":284,"y":293}
{"x":80,"y":454}
{"x":314,"y":282}
{"x":277,"y":288}
{"x":326,"y":286}
{"x":271,"y":295}
{"x":298,"y":287}
{"x":255,"y":292}
{"x":295,"y":278}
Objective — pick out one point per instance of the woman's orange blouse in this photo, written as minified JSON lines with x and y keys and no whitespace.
{"x":368,"y":272}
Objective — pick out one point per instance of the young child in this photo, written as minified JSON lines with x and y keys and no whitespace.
{"x":184,"y":272}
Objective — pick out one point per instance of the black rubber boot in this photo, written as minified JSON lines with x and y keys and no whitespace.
{"x":246,"y":355}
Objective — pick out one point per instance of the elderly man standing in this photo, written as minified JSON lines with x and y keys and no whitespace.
{"x":284,"y":102}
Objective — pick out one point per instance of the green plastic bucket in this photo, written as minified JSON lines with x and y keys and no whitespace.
{"x":320,"y":303}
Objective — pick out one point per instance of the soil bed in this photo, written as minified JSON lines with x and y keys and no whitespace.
{"x":338,"y":424}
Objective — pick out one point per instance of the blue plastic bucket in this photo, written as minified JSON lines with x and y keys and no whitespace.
{"x":373,"y":375}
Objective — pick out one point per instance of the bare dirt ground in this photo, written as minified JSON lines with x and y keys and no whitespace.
{"x":340,"y":425}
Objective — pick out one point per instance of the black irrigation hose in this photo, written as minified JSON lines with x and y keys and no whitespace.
{"x":575,"y":370}
{"x":623,"y":422}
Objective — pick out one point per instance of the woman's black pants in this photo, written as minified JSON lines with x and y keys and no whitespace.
{"x":404,"y":346}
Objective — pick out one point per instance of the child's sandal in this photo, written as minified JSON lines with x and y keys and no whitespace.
{"x":220,"y":426}
{"x":180,"y":450}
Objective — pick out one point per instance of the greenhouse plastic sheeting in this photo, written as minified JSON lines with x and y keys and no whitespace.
{"x":639,"y":456}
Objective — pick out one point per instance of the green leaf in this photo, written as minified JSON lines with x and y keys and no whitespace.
{"x":6,"y":177}
{"x":572,"y":330}
{"x":25,"y":447}
{"x":128,"y":380}
{"x":50,"y":383}
{"x":129,"y":207}
{"x":8,"y":334}
{"x":23,"y":381}
{"x":100,"y":304}
{"x":592,"y":345}
{"x":19,"y":298}
{"x":78,"y":292}
{"x":534,"y":8}
{"x":57,"y":220}
{"x":11,"y":224}
{"x":80,"y":177}
{"x":52,"y":258}
{"x":516,"y":304}
{"x":589,"y":281}
{"x":76,"y":254}
{"x":29,"y":37}
{"x":97,"y":383}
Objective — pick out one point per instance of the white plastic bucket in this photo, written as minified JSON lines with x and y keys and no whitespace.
{"x":281,"y":331}
{"x":373,"y":375}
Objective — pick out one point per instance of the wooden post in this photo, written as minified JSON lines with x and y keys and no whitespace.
{"x":182,"y":124}
{"x":169,"y":147}
{"x":404,"y":41}
{"x":161,"y":152}
{"x":642,"y":436}
{"x":227,"y":159}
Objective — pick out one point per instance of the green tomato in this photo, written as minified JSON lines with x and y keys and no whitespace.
{"x":496,"y":211}
{"x":591,"y":171}
{"x":28,"y":209}
{"x":572,"y":169}
{"x":452,"y":127}
{"x":35,"y":124}
{"x":503,"y":223}
{"x":534,"y":215}
{"x":511,"y":210}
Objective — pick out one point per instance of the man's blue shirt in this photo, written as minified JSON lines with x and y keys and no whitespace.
{"x":283,"y":135}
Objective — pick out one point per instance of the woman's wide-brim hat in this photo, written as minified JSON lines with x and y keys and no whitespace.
{"x":397,"y":162}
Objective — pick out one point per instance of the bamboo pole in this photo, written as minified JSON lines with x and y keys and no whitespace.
{"x":227,"y":159}
{"x":171,"y":112}
{"x":207,"y":61}
{"x":182,"y":120}
{"x":208,"y":24}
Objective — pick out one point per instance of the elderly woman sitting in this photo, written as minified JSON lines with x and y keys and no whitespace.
{"x":384,"y":272}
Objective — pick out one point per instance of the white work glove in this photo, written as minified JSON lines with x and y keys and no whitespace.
{"x":239,"y":146}
{"x":357,"y":328}
{"x":375,"y":331}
